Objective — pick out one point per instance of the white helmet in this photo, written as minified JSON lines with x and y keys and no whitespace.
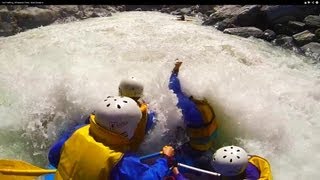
{"x":118,"y":114}
{"x":230,"y":160}
{"x":131,"y":87}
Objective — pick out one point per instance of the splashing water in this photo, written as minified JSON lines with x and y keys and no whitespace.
{"x":266,"y":99}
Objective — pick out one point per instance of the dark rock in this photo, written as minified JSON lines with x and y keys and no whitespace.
{"x":186,"y":11}
{"x":276,"y":14}
{"x":317,"y":33}
{"x":83,"y":7}
{"x":121,"y":8}
{"x":284,"y":41}
{"x":42,"y":6}
{"x":211,"y":20}
{"x":8,"y":29}
{"x":68,"y":10}
{"x":99,"y":12}
{"x":304,"y":37}
{"x":222,"y":25}
{"x":245,"y":31}
{"x":294,"y":27}
{"x":226,"y":11}
{"x":297,"y":25}
{"x":283,"y":29}
{"x":201,"y":16}
{"x":165,"y":10}
{"x":91,"y":12}
{"x":65,"y":11}
{"x":269,"y":35}
{"x":6,"y":16}
{"x":312,"y":49}
{"x":109,"y":8}
{"x":247,"y":15}
{"x":32,"y":17}
{"x":206,"y":9}
{"x":3,"y":7}
{"x":79,"y":15}
{"x":176,"y":13}
{"x":221,"y":13}
{"x":312,"y":21}
{"x":284,"y":19}
{"x":16,"y":7}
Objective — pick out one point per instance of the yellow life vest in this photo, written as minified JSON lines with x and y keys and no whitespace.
{"x":139,"y":134}
{"x":90,"y":153}
{"x":263,"y":165}
{"x":202,"y":138}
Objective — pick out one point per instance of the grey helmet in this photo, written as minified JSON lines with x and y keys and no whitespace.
{"x":118,"y":114}
{"x":131,"y":87}
{"x":230,"y":160}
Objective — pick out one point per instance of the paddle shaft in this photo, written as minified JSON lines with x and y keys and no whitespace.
{"x":26,"y":172}
{"x":198,"y":169}
{"x":151,"y":155}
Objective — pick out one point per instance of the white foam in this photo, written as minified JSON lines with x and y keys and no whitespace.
{"x":266,"y":98}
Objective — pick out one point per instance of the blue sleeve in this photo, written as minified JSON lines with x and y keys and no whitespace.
{"x":190,"y":112}
{"x":55,"y":150}
{"x":151,"y":119}
{"x":174,"y":84}
{"x":130,"y":167}
{"x":252,"y":172}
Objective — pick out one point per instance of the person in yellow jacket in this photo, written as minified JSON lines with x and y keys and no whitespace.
{"x":130,"y":87}
{"x":101,"y":149}
{"x":133,"y":87}
{"x":198,"y":115}
{"x":201,"y":125}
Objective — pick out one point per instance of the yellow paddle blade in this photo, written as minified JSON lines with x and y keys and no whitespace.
{"x":16,"y":169}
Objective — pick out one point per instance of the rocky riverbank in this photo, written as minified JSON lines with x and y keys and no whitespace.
{"x":292,"y":27}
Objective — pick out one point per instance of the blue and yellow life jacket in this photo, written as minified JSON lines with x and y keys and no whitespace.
{"x":139,"y":134}
{"x":260,"y":170}
{"x":92,"y":151}
{"x":202,"y":137}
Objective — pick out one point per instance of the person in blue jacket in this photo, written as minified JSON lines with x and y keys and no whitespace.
{"x":131,"y":87}
{"x":104,"y":148}
{"x":201,"y":125}
{"x":233,"y":163}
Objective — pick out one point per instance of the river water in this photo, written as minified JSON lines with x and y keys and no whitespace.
{"x":266,"y":99}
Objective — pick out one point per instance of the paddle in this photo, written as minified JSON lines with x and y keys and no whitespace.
{"x":181,"y":165}
{"x":21,"y":168}
{"x":198,"y":169}
{"x":151,"y":155}
{"x":24,"y":169}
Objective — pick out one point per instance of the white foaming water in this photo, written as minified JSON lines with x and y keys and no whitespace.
{"x":266,"y":99}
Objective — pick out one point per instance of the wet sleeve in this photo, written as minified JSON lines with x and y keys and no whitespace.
{"x":190,"y":112}
{"x":55,"y":150}
{"x":174,"y":83}
{"x":130,"y":167}
{"x":150,"y":121}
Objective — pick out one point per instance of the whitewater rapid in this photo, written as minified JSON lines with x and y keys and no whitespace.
{"x":266,"y":99}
